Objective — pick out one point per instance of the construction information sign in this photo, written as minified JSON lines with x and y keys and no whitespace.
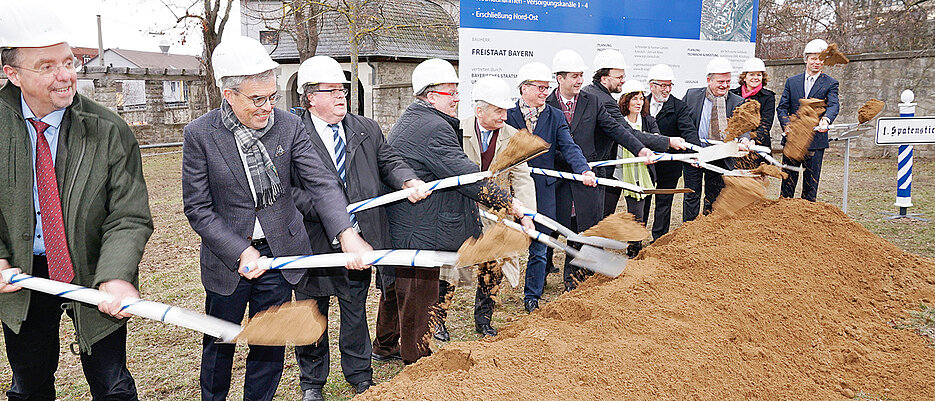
{"x":905,"y":130}
{"x":499,"y":36}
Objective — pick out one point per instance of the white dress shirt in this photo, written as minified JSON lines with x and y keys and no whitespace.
{"x":257,"y":229}
{"x":327,"y":135}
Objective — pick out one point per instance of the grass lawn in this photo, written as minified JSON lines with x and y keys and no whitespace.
{"x":165,"y":359}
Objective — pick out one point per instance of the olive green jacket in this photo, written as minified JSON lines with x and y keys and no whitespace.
{"x":105,"y":205}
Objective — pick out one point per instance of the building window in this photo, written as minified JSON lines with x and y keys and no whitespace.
{"x":131,"y":95}
{"x":269,"y":38}
{"x":175,"y":94}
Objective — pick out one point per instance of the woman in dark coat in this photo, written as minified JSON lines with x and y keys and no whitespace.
{"x":753,"y":79}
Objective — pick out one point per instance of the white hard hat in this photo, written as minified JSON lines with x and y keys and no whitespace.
{"x":719,"y":65}
{"x":492,"y":90}
{"x":534,"y":71}
{"x":567,"y":60}
{"x":660,"y":72}
{"x":320,"y":69}
{"x":430,"y":72}
{"x":609,"y":58}
{"x":239,"y":56}
{"x":815,"y":46}
{"x":631,"y":86}
{"x":752,"y":65}
{"x":30,"y":24}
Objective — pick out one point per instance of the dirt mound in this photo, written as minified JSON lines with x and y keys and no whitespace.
{"x":745,"y":118}
{"x":784,"y":300}
{"x":738,"y":193}
{"x":869,"y":110}
{"x":618,"y":226}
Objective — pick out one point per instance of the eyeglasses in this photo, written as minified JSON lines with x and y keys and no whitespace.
{"x":455,"y":93}
{"x":622,"y":76}
{"x":51,"y":69}
{"x":668,"y":85}
{"x":259,"y":101}
{"x":542,"y":88}
{"x":338,"y":92}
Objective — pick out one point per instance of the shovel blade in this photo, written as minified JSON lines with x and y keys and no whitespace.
{"x":720,"y":151}
{"x":599,"y":261}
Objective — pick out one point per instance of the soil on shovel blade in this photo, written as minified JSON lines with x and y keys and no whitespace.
{"x":785,"y":299}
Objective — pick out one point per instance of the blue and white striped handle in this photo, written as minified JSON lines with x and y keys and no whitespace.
{"x":443,"y":183}
{"x":568,"y":233}
{"x":212,"y":326}
{"x":656,"y":157}
{"x":393,"y":257}
{"x":578,"y":177}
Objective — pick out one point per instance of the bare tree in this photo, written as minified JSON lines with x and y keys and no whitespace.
{"x":857,"y":26}
{"x":207,"y":16}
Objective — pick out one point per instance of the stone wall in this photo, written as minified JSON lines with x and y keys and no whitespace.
{"x":392,"y":91}
{"x":874,"y":75}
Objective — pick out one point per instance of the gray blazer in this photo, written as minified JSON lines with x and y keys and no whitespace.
{"x":222,"y":210}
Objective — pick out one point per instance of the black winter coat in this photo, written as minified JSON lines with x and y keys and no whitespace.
{"x":767,"y":99}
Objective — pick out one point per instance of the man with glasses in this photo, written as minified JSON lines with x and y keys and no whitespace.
{"x":239,"y":163}
{"x":360,"y":157}
{"x":609,"y":76}
{"x":674,"y":121}
{"x":547,"y":122}
{"x":90,"y":232}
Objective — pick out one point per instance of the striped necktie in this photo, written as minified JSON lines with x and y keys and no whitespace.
{"x":339,"y":151}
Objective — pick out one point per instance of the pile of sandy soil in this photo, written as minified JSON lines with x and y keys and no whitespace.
{"x":869,"y":110}
{"x":801,"y":128}
{"x":783,"y":300}
{"x":745,"y":118}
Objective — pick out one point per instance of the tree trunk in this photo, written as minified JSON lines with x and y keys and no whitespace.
{"x":212,"y":31}
{"x":354,"y":41}
{"x":305,"y":18}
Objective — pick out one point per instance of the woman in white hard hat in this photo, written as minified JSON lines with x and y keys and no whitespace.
{"x":631,"y":105}
{"x":753,"y":79}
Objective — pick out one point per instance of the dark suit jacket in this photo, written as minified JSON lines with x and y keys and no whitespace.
{"x":551,"y":127}
{"x":674,"y":119}
{"x":825,"y":88}
{"x":694,"y":99}
{"x":221,"y":208}
{"x":653,"y":142}
{"x":593,"y":129}
{"x":767,"y":99}
{"x":369,"y":163}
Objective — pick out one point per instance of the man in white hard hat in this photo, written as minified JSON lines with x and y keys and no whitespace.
{"x":709,"y":107}
{"x":360,"y":157}
{"x":427,"y":137}
{"x":609,"y":76}
{"x":90,"y":232}
{"x":812,"y":84}
{"x":239,"y":163}
{"x":547,"y":122}
{"x":485,"y":136}
{"x":673,"y":118}
{"x":596,"y":133}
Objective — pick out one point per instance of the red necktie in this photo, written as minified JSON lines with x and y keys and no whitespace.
{"x":569,"y":111}
{"x":50,"y":205}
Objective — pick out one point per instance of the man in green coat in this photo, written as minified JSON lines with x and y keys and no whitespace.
{"x":74,"y":209}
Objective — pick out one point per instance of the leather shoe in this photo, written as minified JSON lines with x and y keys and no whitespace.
{"x":313,"y":394}
{"x":362,"y":386}
{"x":531,"y":305}
{"x":550,"y":268}
{"x":441,"y":332}
{"x":386,"y":358}
{"x":486,"y":329}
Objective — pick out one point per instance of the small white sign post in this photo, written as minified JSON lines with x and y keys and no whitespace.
{"x":905,"y":131}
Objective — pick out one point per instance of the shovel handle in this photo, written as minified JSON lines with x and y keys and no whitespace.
{"x":443,"y":183}
{"x":578,"y":177}
{"x":209,"y":325}
{"x":395,"y":257}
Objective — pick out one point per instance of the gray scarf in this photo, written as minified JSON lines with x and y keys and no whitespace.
{"x":262,"y":171}
{"x":718,"y":115}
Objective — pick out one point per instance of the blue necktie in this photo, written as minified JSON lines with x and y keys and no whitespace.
{"x":485,"y":140}
{"x":339,"y":160}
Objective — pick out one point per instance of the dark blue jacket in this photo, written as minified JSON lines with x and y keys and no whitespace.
{"x":551,"y":127}
{"x":825,"y":88}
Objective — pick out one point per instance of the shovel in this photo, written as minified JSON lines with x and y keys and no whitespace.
{"x":589,"y":257}
{"x":391,"y":257}
{"x":225,"y":331}
{"x":763,"y":151}
{"x":710,"y":153}
{"x":571,"y":235}
{"x":608,"y":182}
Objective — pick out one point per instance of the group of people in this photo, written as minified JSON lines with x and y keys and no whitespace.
{"x":258,"y":181}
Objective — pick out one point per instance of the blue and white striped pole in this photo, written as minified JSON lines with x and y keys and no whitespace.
{"x":904,"y":161}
